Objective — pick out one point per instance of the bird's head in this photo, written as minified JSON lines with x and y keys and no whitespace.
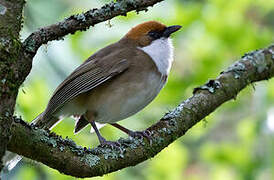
{"x":146,"y":33}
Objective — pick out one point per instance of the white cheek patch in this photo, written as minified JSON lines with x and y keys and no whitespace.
{"x":161,"y":51}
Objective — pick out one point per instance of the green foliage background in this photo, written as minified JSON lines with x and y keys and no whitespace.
{"x":235,"y":142}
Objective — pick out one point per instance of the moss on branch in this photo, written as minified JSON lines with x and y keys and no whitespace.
{"x":83,"y":21}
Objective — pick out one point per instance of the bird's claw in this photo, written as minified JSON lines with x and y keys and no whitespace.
{"x":111,"y":144}
{"x":142,"y":134}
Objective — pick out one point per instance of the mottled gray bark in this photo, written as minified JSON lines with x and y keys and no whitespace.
{"x":68,"y":158}
{"x":10,"y":26}
{"x":83,"y":21}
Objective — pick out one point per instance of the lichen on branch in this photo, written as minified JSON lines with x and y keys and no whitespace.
{"x":10,"y":26}
{"x":83,"y":21}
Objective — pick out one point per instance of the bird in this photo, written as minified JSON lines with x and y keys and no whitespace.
{"x":115,"y":82}
{"x":112,"y":84}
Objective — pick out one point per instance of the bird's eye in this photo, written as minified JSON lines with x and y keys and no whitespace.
{"x":154,"y":34}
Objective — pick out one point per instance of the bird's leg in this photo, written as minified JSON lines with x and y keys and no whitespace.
{"x":145,"y":133}
{"x":100,"y":137}
{"x":102,"y":140}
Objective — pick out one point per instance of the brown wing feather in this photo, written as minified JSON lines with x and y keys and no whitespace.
{"x":87,"y":77}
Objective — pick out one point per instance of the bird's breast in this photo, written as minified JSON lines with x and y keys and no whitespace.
{"x":122,"y":98}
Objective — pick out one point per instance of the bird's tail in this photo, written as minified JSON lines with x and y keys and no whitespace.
{"x":11,"y":159}
{"x":47,"y":122}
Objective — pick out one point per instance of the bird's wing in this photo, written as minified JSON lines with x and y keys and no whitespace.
{"x":87,"y":77}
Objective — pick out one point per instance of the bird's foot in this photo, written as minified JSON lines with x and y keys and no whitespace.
{"x":111,"y":144}
{"x":141,"y":134}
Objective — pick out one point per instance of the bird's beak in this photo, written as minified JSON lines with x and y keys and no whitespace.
{"x":171,"y":29}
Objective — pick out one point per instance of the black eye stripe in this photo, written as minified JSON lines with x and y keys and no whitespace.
{"x":155,"y":34}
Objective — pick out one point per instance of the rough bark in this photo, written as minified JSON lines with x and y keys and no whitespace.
{"x":83,"y":21}
{"x":65,"y":156}
{"x":10,"y":26}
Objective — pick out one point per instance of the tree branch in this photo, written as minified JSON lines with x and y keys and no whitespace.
{"x":65,"y":156}
{"x":10,"y":26}
{"x":84,"y":21}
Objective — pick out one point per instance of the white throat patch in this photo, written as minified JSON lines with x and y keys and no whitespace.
{"x":161,"y":51}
